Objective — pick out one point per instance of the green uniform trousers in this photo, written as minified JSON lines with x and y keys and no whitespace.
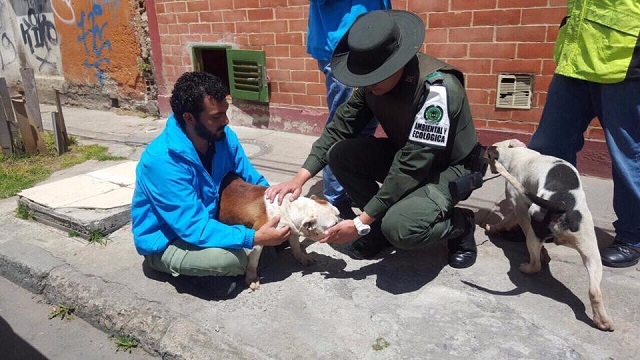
{"x":182,"y":258}
{"x":421,"y":217}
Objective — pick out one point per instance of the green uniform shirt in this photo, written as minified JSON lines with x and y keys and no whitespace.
{"x":414,"y":165}
{"x":599,"y":41}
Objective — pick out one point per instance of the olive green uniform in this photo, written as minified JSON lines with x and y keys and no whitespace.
{"x":414,"y":201}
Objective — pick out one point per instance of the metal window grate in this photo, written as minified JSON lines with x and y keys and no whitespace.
{"x":514,"y":91}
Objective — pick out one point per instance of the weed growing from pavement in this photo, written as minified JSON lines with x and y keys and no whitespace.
{"x":73,"y":233}
{"x":62,"y":311}
{"x":125,"y":343}
{"x":97,"y":237}
{"x":23,"y":212}
{"x":380,"y":344}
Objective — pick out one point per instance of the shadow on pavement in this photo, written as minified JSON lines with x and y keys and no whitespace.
{"x":13,"y":346}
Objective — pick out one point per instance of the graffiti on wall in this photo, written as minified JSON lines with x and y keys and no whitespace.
{"x":39,"y":33}
{"x":63,"y":11}
{"x":96,"y":45}
{"x":8,"y":53}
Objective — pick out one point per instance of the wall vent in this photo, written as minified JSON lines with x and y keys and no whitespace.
{"x":514,"y":91}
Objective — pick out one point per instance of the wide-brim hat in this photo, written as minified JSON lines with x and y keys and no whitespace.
{"x":377,"y":45}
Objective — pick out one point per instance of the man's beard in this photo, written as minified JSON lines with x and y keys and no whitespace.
{"x":208,"y":135}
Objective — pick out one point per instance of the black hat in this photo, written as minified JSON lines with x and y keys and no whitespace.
{"x":377,"y":45}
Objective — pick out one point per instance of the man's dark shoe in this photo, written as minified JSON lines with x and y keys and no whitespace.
{"x":620,"y":255}
{"x":462,"y":249}
{"x":368,"y":246}
{"x":346,"y":212}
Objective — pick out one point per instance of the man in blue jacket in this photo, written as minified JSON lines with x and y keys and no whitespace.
{"x":178,"y":177}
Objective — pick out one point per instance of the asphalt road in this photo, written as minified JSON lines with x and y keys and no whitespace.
{"x":27,"y":333}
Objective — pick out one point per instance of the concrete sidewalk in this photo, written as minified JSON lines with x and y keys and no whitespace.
{"x":406,"y":304}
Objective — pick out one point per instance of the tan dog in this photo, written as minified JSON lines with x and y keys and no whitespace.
{"x":244,"y":203}
{"x":549,"y":203}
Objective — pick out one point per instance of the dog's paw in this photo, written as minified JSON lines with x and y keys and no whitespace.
{"x":528,"y":268}
{"x":603,"y":323}
{"x":305,"y":260}
{"x":254,"y":285}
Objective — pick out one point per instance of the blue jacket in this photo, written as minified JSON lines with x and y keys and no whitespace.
{"x":175,"y":197}
{"x":329,"y":20}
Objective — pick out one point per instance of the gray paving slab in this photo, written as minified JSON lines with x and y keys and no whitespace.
{"x":406,"y":304}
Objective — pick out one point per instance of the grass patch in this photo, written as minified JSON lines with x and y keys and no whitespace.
{"x":23,"y":212}
{"x":21,"y":172}
{"x":62,"y":311}
{"x":125,"y":343}
{"x":97,"y":237}
{"x":380,"y":344}
{"x":73,"y":233}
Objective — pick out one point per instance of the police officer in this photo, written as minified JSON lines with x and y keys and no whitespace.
{"x":421,"y":105}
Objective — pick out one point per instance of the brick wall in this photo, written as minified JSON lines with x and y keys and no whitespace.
{"x":481,"y":37}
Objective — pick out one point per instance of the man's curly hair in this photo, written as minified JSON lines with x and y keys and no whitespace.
{"x":190,"y":90}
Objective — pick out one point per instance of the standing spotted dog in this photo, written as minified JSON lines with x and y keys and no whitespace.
{"x":549,"y":203}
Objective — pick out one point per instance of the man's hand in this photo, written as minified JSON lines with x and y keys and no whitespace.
{"x":269,"y":235}
{"x":279,"y":191}
{"x":343,"y":232}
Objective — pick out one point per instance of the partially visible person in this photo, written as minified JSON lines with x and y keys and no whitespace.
{"x":597,"y":54}
{"x":422,"y":106}
{"x":178,"y":177}
{"x":328,"y":22}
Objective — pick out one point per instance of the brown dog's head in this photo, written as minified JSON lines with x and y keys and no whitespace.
{"x":493,"y":151}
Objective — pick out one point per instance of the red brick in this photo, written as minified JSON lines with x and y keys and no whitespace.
{"x":224,"y":28}
{"x":246,"y":4}
{"x":532,"y":115}
{"x":449,"y":19}
{"x":289,"y":39}
{"x":316,"y":89}
{"x":521,"y":33}
{"x":548,"y":67}
{"x":472,"y":5}
{"x":305,"y":76}
{"x":496,"y":17}
{"x":493,"y":51}
{"x":276,"y":26}
{"x":187,"y":18}
{"x":401,"y":4}
{"x":479,"y":81}
{"x":481,"y":111}
{"x":195,"y":6}
{"x":278,"y":51}
{"x":517,"y":66}
{"x":310,"y":64}
{"x":535,"y":51}
{"x":473,"y":66}
{"x":289,"y":13}
{"x":171,"y":39}
{"x":163,"y":29}
{"x":261,"y":39}
{"x":293,"y":3}
{"x":435,"y":36}
{"x":200,"y":28}
{"x":298,"y":51}
{"x":278,"y":97}
{"x":160,"y":9}
{"x":298,"y":25}
{"x":176,"y":7}
{"x":260,"y":14}
{"x":543,"y":16}
{"x":220,"y":4}
{"x":211,"y":16}
{"x":249,"y":27}
{"x":187,"y":38}
{"x":500,"y":114}
{"x":173,"y":60}
{"x":292,"y":87}
{"x":552,"y":33}
{"x":304,"y":100}
{"x":234,"y":15}
{"x":279,"y":75}
{"x":447,"y":50}
{"x":291,"y":64}
{"x":478,"y":96}
{"x":273,"y":3}
{"x":595,"y":133}
{"x":428,"y":6}
{"x":541,"y":83}
{"x":167,"y":19}
{"x":213,"y":38}
{"x":512,"y":126}
{"x":178,"y":29}
{"x":471,"y":34}
{"x":557,"y":2}
{"x":519,"y":4}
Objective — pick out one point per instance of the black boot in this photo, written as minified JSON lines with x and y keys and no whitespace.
{"x":370,"y":245}
{"x":344,"y":206}
{"x":462,"y":248}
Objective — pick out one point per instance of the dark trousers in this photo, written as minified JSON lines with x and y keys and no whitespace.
{"x":421,"y":217}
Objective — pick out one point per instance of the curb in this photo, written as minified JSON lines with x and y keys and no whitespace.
{"x":159,"y":331}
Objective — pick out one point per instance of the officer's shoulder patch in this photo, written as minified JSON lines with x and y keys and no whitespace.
{"x":435,"y":77}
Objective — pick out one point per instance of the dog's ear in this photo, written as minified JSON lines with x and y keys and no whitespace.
{"x":514,"y":143}
{"x":492,"y":153}
{"x":310,"y":224}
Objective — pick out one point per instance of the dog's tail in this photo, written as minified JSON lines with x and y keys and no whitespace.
{"x":553,"y":206}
